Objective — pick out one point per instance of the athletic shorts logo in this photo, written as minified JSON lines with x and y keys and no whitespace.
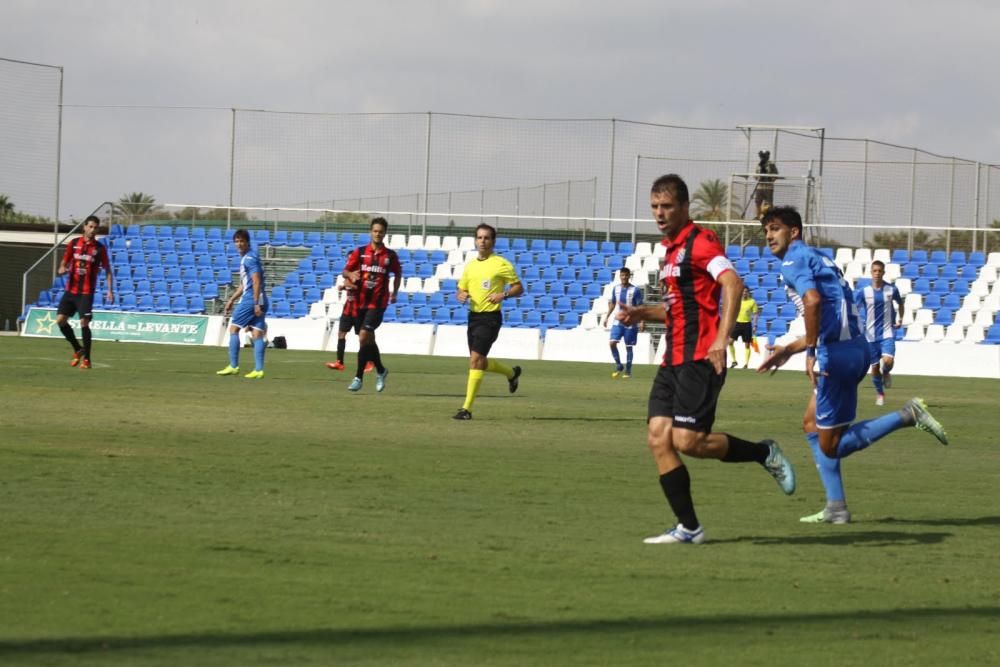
{"x":684,"y":419}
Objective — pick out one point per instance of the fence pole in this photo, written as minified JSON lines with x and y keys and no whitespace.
{"x":611,"y":181}
{"x":427,"y":174}
{"x":864,"y":196}
{"x":55,"y":231}
{"x":913,"y":190}
{"x":635,"y":196}
{"x":975,"y":210}
{"x":232,"y":169}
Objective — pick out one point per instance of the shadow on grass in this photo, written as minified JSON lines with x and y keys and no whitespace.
{"x":873,"y":538}
{"x":333,"y":637}
{"x":961,"y":521}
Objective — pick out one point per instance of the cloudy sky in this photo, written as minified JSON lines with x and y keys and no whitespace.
{"x":910,"y":72}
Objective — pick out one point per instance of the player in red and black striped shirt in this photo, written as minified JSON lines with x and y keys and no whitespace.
{"x":368,"y":268}
{"x":686,"y":390}
{"x":85,"y":256}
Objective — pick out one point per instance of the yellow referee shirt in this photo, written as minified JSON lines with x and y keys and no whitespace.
{"x":747,"y":308}
{"x":483,"y":277}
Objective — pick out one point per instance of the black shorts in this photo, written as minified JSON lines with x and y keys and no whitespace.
{"x":688,"y":394}
{"x":483,"y":331}
{"x":368,"y":318}
{"x":742,"y":331}
{"x":348,"y":322}
{"x":72,"y":304}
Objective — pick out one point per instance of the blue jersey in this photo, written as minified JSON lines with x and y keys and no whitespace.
{"x":877,"y":310}
{"x":625,"y":296}
{"x":249,"y":265}
{"x":804,"y":268}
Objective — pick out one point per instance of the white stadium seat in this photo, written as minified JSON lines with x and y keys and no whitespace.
{"x":412,"y":284}
{"x":974,"y":334}
{"x":892,"y":272}
{"x":934,"y":333}
{"x":415,"y":242}
{"x":863,"y":255}
{"x":905,"y":286}
{"x":843,"y":257}
{"x":449,"y":243}
{"x":317,"y":310}
{"x":431,"y":285}
{"x":432,"y":242}
{"x":924,"y":316}
{"x":882,"y":254}
{"x":467,"y":243}
{"x":955,"y":333}
{"x":644,"y":249}
{"x":914,"y":332}
{"x":396,"y":241}
{"x":993,"y":259}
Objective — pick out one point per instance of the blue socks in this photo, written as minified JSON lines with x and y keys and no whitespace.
{"x":614,"y":353}
{"x":628,"y":359}
{"x":861,"y":435}
{"x":259,"y":345}
{"x":877,"y":381}
{"x":234,"y":349}
{"x":829,"y":470}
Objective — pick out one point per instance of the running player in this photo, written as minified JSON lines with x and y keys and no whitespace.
{"x":685,"y":392}
{"x":251,"y":302}
{"x":85,"y":256}
{"x":837,"y":358}
{"x":876,"y":305}
{"x":368,"y":268}
{"x":624,"y":294}
{"x":746,"y":325}
{"x":485,"y":283}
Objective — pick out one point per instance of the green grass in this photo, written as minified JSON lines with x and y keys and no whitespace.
{"x":152,"y":513}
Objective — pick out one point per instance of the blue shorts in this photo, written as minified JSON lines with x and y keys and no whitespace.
{"x":882,"y":348}
{"x":845,"y":364}
{"x":243,"y":316}
{"x":619,"y":331}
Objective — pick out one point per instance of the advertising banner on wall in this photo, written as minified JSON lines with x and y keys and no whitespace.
{"x":113,"y":325}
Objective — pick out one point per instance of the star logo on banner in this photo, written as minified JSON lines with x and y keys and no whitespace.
{"x":45,"y":323}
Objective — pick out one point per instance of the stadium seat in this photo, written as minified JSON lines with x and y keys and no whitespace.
{"x":975,"y":334}
{"x":300,"y":309}
{"x":914,"y":332}
{"x":919,"y":256}
{"x":977,"y":258}
{"x":281,"y":309}
{"x":296,"y":238}
{"x":900,"y":256}
{"x":843,"y":256}
{"x":943,"y":316}
{"x":279,"y":238}
{"x":934,"y":333}
{"x":751,"y":252}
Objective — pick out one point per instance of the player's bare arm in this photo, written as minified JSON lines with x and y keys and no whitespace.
{"x":258,"y":303}
{"x":779,"y":354}
{"x":232,"y":299}
{"x":462,"y":296}
{"x":653,"y":312}
{"x":811,"y":303}
{"x":732,"y":291}
{"x":516,"y":290}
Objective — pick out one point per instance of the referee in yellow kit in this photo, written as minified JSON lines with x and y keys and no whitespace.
{"x":485,"y":283}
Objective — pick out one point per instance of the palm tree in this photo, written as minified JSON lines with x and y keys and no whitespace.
{"x":711,"y":201}
{"x":136,"y":205}
{"x":6,"y":207}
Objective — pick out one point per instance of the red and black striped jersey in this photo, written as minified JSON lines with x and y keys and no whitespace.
{"x":688,"y":279}
{"x":84,"y":260}
{"x":375,"y":264}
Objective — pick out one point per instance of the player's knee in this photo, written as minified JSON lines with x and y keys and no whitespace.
{"x":688,"y":442}
{"x":808,"y":424}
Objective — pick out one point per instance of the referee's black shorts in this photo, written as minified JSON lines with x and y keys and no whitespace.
{"x":483,"y":331}
{"x":688,"y":394}
{"x":742,"y":331}
{"x":73,"y":304}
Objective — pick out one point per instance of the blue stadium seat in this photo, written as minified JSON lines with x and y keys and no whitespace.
{"x":281,"y":309}
{"x":938,"y":257}
{"x":760,"y":266}
{"x":581,"y":304}
{"x":161,"y":304}
{"x":179,"y":304}
{"x":949,"y":271}
{"x":944,"y":316}
{"x":788,"y":311}
{"x":424,"y":315}
{"x":921,"y":285}
{"x":751,"y":252}
{"x":550,"y":319}
{"x":198,"y":233}
{"x":533,"y":318}
{"x":751,"y":280}
{"x":148,"y":231}
{"x":590,"y":248}
{"x":957,"y":257}
{"x":196,"y":304}
{"x":502,"y":245}
{"x":544,"y":302}
{"x":296,"y":238}
{"x":930,"y":270}
{"x":919,"y":256}
{"x":513,"y":317}
{"x":574,"y":289}
{"x":165,"y":231}
{"x":734,"y":252}
{"x":313,"y":294}
{"x":418,"y":299}
{"x":608,"y":248}
{"x":571,"y":246}
{"x":442,"y":315}
{"x":969,"y":272}
{"x":554,"y":245}
{"x":564,"y":304}
{"x":300,"y":309}
{"x":449,"y":286}
{"x":279,"y":237}
{"x":941,"y":286}
{"x":278,"y":293}
{"x":900,"y":256}
{"x":209,"y":291}
{"x":626,"y":248}
{"x":977,"y":258}
{"x":127,"y":302}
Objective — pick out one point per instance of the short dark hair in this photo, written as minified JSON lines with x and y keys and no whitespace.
{"x":786,"y":215}
{"x":379,"y":221}
{"x":879,"y":262}
{"x":241,"y":234}
{"x":92,"y":217}
{"x":673,"y":184}
{"x":625,"y":269}
{"x":491,"y":228}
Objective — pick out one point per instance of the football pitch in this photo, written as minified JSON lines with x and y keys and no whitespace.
{"x":152,"y":513}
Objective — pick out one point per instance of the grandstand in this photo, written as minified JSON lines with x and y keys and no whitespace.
{"x":186,"y":269}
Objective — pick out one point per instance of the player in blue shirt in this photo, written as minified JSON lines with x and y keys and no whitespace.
{"x":876,"y":305}
{"x":250,"y":309}
{"x":624,"y":294}
{"x":837,"y":359}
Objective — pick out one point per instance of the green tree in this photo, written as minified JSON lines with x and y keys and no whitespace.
{"x":344,"y":219}
{"x":137,"y":206}
{"x":6,"y":207}
{"x":214,"y":214}
{"x":711,"y":201}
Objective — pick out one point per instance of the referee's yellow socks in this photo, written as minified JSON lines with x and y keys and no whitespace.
{"x":475,"y":378}
{"x":497,"y":367}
